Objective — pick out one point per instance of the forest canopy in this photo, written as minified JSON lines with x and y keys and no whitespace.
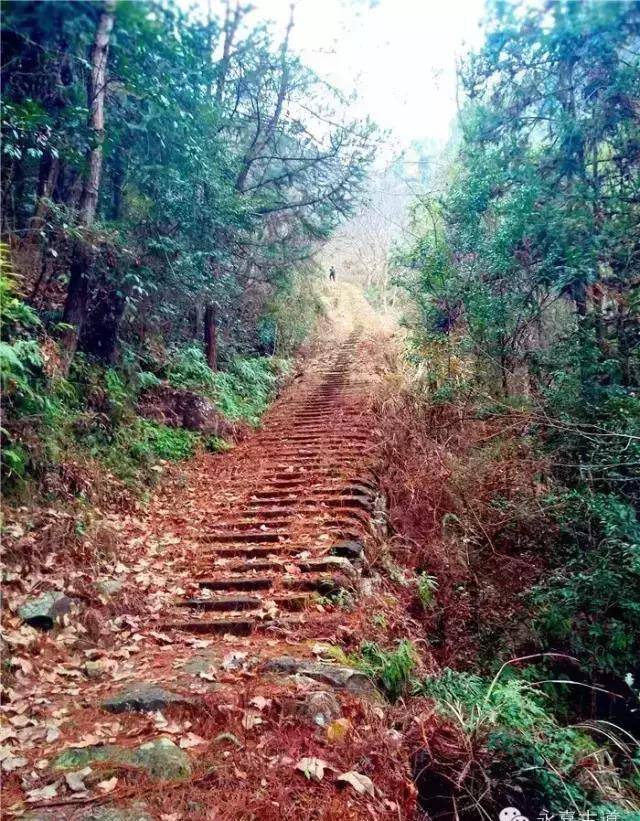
{"x":164,"y":175}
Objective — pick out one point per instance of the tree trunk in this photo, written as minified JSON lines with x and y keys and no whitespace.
{"x":75,"y":309}
{"x":47,"y":180}
{"x":100,"y":332}
{"x":32,"y":246}
{"x":211,"y":336}
{"x":195,"y":321}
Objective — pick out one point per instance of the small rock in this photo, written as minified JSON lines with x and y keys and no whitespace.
{"x":109,"y":587}
{"x":46,"y":610}
{"x":143,"y":698}
{"x":320,"y":708}
{"x":163,"y":760}
{"x":94,"y":669}
{"x":348,"y":549}
{"x":346,"y":678}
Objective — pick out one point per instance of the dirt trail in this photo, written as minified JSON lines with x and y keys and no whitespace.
{"x":231,"y":661}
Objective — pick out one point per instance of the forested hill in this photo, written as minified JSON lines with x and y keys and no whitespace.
{"x":165,"y":183}
{"x":396,"y":572}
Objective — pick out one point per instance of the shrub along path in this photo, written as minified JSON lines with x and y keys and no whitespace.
{"x":205,"y":676}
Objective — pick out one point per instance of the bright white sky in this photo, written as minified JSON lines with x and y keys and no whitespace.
{"x":400,"y":55}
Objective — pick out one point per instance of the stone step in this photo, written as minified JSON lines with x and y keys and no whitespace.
{"x":244,"y":537}
{"x":234,"y":626}
{"x":311,"y":565}
{"x":238,"y":583}
{"x":287,"y":601}
{"x":324,"y":583}
{"x":254,"y":551}
{"x":243,"y":524}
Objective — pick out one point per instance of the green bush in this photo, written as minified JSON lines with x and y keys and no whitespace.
{"x":427,"y":587}
{"x":589,"y":605}
{"x":290,"y":317}
{"x":526,"y":749}
{"x":163,"y":442}
{"x":188,"y":369}
{"x":243,"y":392}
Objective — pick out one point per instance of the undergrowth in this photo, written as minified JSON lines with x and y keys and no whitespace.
{"x":390,"y":670}
{"x":521,"y":544}
{"x":241,"y":392}
{"x":56,"y":426}
{"x":512,"y":749}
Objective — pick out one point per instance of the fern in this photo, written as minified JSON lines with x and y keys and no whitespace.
{"x":390,"y":669}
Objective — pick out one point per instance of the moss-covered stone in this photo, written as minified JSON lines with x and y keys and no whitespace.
{"x":46,"y":610}
{"x":161,"y":759}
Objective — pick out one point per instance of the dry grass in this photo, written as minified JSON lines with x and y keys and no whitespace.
{"x":465,"y":499}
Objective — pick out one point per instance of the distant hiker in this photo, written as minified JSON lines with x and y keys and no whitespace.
{"x":332,"y":274}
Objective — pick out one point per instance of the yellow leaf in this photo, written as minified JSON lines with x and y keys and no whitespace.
{"x":338,"y":729}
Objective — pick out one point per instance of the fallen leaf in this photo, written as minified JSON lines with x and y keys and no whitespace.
{"x":53,"y":733}
{"x":21,"y":721}
{"x":228,"y":737}
{"x":75,"y":779}
{"x":313,"y":768}
{"x":13,"y":762}
{"x":200,"y":644}
{"x":338,"y":729}
{"x":360,"y":783}
{"x":260,"y":702}
{"x":87,"y":741}
{"x":108,"y":785}
{"x":43,"y":794}
{"x":250,"y":720}
{"x":191,"y":740}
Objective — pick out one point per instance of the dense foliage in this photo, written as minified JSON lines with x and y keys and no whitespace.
{"x":166,"y":180}
{"x":525,"y":290}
